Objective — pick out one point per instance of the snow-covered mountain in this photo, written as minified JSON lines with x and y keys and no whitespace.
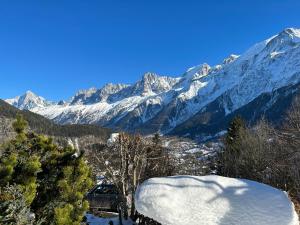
{"x":28,"y":101}
{"x":267,"y":72}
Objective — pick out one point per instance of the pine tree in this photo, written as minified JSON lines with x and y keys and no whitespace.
{"x":13,"y":207}
{"x":158,"y":161}
{"x":52,"y":180}
{"x":156,"y":139}
{"x":234,"y":131}
{"x":20,"y":165}
{"x":232,"y":147}
{"x":72,"y":186}
{"x":20,"y":124}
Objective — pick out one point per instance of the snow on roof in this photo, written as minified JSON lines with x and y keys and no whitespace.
{"x":212,"y":200}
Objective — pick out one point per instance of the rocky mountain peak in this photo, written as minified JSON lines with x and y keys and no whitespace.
{"x":288,"y":38}
{"x":162,"y":103}
{"x":196,"y":72}
{"x":28,"y":101}
{"x":231,"y":58}
{"x":152,"y":83}
{"x":82,"y":95}
{"x":292,"y":32}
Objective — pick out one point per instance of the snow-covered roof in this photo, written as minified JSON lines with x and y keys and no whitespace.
{"x":212,"y":200}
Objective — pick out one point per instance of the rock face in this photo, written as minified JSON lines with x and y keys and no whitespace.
{"x":265,"y":76}
{"x":213,"y":200}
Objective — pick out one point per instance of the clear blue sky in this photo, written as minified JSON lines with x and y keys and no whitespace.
{"x":56,"y":47}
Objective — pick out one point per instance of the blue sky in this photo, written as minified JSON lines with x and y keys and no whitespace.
{"x":56,"y":47}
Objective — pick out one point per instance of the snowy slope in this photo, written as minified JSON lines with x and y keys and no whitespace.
{"x":28,"y":101}
{"x":161,"y":103}
{"x":112,"y":102}
{"x":213,"y":200}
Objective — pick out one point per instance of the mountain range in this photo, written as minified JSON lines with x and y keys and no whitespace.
{"x":260,"y":82}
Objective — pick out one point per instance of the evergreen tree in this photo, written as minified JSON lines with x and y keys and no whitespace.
{"x":52,"y":180}
{"x":13,"y":207}
{"x":158,"y":161}
{"x":19,"y":164}
{"x":20,"y":124}
{"x":156,"y":139}
{"x":72,"y":186}
{"x":232,"y":147}
{"x":234,"y":131}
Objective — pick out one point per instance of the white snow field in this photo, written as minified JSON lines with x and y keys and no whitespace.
{"x":212,"y":200}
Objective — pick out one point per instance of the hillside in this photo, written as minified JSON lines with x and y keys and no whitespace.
{"x":45,"y":126}
{"x":271,"y":106}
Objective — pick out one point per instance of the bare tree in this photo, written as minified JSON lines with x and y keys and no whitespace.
{"x":128,"y":161}
{"x":289,"y":138}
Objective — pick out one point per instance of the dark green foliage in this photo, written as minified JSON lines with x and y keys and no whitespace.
{"x":156,"y":139}
{"x":234,"y":132}
{"x":232,"y":148}
{"x":20,"y":124}
{"x":20,"y":162}
{"x":52,"y":180}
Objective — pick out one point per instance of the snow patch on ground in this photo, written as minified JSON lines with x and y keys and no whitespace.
{"x":213,"y":200}
{"x":94,"y":220}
